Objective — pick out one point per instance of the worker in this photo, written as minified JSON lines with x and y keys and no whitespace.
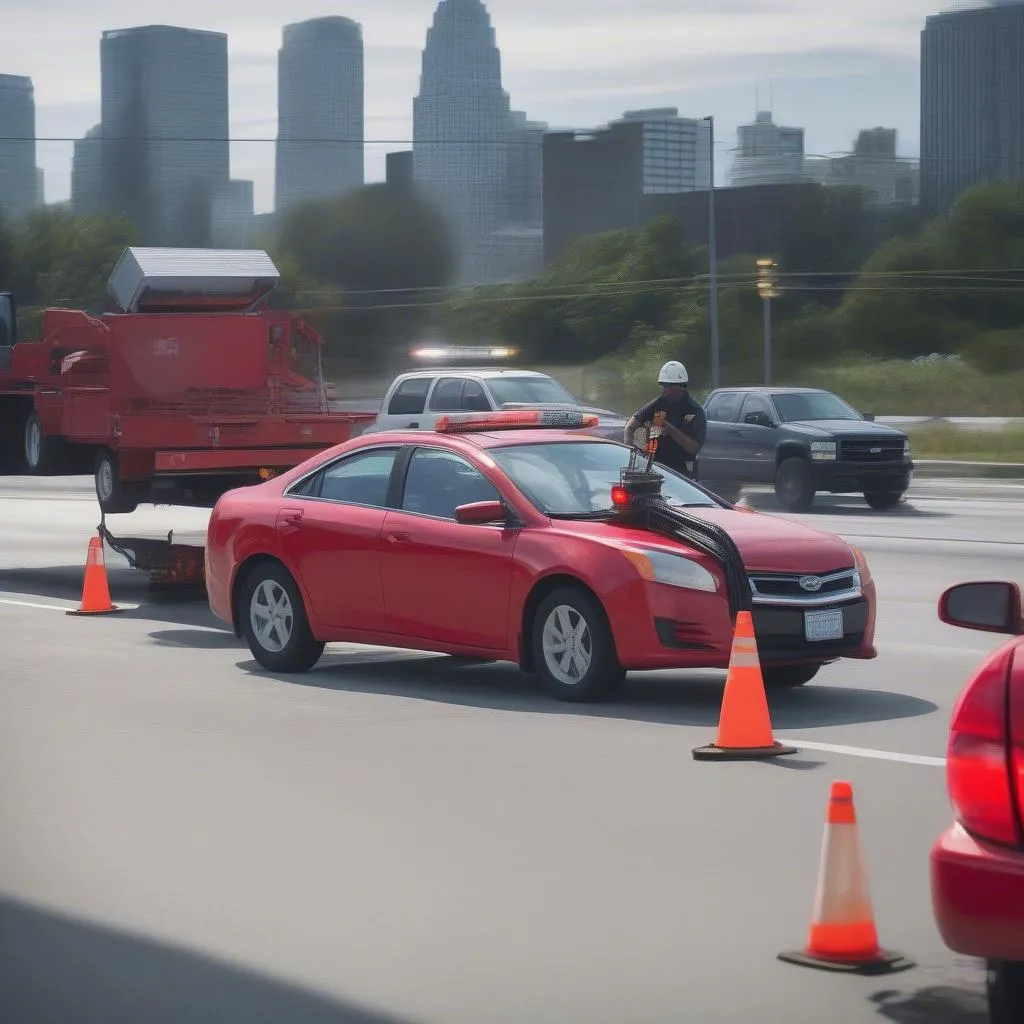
{"x":685,"y":422}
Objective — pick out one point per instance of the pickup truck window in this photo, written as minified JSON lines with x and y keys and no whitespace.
{"x":474,"y":398}
{"x":755,"y":403}
{"x":797,"y":407}
{"x":544,"y":390}
{"x":724,"y":407}
{"x":410,"y":397}
{"x":446,"y":396}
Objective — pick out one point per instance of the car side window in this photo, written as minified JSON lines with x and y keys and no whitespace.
{"x":438,"y":482}
{"x":724,"y":407}
{"x":410,"y":397}
{"x":360,"y":479}
{"x":756,"y":403}
{"x":446,"y":396}
{"x":474,"y":398}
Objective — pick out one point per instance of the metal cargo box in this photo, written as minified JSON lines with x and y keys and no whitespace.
{"x":191,"y":280}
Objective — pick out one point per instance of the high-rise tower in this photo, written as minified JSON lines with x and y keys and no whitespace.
{"x":164,"y":129}
{"x":461,"y":124}
{"x":319,"y":111}
{"x":18,"y":191}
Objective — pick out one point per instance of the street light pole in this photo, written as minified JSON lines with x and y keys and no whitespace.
{"x":768,"y":341}
{"x":713,"y":260}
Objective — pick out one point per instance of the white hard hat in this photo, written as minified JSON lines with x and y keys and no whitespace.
{"x":673,"y":372}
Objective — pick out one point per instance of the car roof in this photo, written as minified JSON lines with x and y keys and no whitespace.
{"x":490,"y":439}
{"x":764,"y":389}
{"x":473,"y":371}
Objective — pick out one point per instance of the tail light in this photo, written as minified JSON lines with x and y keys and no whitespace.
{"x":1016,"y":686}
{"x":981,"y":786}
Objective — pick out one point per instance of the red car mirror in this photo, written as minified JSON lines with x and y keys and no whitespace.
{"x":481,"y":513}
{"x":993,"y":607}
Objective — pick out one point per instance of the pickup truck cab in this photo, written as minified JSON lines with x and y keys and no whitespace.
{"x":802,"y":441}
{"x":415,"y":400}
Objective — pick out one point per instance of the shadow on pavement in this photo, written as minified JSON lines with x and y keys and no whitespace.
{"x":57,"y":970}
{"x":840,"y":505}
{"x":936,"y":1004}
{"x":678,"y":698}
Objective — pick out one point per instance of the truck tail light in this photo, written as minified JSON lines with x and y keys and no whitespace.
{"x":979,"y":757}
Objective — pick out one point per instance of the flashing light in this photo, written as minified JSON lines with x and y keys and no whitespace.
{"x":536,"y":420}
{"x":435,"y":353}
{"x":620,"y":495}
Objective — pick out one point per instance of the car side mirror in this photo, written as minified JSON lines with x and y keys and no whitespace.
{"x":480,"y":513}
{"x":991,"y":607}
{"x":869,"y":416}
{"x":758,"y":419}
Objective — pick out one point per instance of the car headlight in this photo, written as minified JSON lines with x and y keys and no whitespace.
{"x":863,"y":573}
{"x":672,"y":570}
{"x":906,"y":448}
{"x":823,"y":450}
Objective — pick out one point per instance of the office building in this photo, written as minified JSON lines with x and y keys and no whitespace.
{"x":87,"y":174}
{"x":972,"y":101}
{"x":399,"y":168}
{"x":676,"y":150}
{"x":873,"y":166}
{"x":320,"y":116}
{"x":164,"y":129}
{"x":18,"y":178}
{"x":768,"y":153}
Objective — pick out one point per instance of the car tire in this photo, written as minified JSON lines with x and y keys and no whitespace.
{"x":1004,"y":986}
{"x":593,"y":672}
{"x":780,"y":677}
{"x":793,"y":486}
{"x":882,"y":500}
{"x":281,"y":641}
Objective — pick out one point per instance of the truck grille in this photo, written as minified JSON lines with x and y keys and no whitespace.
{"x":786,"y":588}
{"x":871,"y":449}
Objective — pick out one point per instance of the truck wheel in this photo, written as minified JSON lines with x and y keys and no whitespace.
{"x":42,"y":453}
{"x":785,"y":676}
{"x":274,"y":622}
{"x":881,"y":500}
{"x":111,"y":492}
{"x":573,"y":648}
{"x":1004,"y":984}
{"x":793,"y":485}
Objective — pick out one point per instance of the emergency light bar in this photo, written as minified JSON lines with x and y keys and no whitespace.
{"x":553,"y":419}
{"x":456,"y":353}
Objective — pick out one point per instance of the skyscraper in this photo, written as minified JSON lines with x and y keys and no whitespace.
{"x":319,"y":110}
{"x":677,"y":150}
{"x":461,"y":124}
{"x":18,"y":186}
{"x":972,"y":101}
{"x":768,"y":153}
{"x":87,"y":174}
{"x":164,"y":129}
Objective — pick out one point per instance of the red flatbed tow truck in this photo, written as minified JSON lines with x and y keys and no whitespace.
{"x":191,"y":387}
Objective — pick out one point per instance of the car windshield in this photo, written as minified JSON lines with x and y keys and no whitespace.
{"x":569,"y":478}
{"x":796,"y":407}
{"x":530,"y":390}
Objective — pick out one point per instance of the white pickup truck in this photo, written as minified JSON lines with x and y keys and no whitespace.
{"x":416,"y":399}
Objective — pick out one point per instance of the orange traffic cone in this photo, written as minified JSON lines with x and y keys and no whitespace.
{"x":842,"y":934}
{"x":95,"y":592}
{"x":744,"y":726}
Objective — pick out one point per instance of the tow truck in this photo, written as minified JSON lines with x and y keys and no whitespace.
{"x":190,"y":387}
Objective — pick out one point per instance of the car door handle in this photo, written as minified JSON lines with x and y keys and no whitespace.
{"x":398,"y":538}
{"x":415,"y":424}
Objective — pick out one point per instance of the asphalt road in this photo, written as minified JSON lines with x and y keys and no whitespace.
{"x":396,"y":838}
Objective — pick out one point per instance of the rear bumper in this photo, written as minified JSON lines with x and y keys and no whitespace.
{"x":846,"y":477}
{"x":978,"y":896}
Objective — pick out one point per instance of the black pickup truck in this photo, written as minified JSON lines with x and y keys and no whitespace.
{"x":803,"y":441}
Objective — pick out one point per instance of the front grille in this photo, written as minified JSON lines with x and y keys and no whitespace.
{"x":785,"y":588}
{"x":871,"y":449}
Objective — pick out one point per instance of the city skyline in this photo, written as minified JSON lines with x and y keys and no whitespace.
{"x":831,"y":79}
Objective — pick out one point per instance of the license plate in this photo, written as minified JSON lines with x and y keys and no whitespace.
{"x":824,"y":625}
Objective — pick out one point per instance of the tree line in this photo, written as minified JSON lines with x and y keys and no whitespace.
{"x":373,"y":270}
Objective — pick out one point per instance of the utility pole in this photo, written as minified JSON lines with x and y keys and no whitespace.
{"x":716,"y":357}
{"x":767,"y":288}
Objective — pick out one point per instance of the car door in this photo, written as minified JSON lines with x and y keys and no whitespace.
{"x":329,"y":527}
{"x":717,"y":460}
{"x":407,"y":404}
{"x":757,"y":438}
{"x":443,"y":580}
{"x":445,"y":397}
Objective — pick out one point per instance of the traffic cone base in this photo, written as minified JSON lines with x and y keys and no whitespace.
{"x":842,"y":936}
{"x":745,"y":725}
{"x":95,"y":591}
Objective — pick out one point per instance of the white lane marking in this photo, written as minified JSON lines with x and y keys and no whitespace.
{"x":934,"y":649}
{"x":877,"y":755}
{"x":20,"y":603}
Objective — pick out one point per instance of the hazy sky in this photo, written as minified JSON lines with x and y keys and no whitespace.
{"x":573,"y":63}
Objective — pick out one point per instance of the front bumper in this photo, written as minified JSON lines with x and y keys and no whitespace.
{"x":978,"y":896}
{"x":839,"y":477}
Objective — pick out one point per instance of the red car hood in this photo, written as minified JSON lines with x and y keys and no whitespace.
{"x":767,"y":543}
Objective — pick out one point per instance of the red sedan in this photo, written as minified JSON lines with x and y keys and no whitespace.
{"x":977,"y":866}
{"x":493,"y":541}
